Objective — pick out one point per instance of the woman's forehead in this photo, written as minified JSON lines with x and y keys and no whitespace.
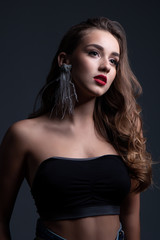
{"x":100,"y":37}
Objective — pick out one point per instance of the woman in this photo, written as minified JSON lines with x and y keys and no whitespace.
{"x":83,"y":151}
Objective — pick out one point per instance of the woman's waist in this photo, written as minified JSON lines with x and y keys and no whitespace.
{"x":85,"y":228}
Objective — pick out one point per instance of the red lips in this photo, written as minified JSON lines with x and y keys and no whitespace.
{"x":101,"y":79}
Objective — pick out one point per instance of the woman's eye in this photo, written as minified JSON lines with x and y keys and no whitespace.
{"x":93,"y":53}
{"x":114,"y":61}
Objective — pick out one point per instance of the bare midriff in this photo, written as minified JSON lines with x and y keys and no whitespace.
{"x":88,"y":228}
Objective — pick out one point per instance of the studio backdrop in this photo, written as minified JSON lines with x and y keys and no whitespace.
{"x":30,"y":32}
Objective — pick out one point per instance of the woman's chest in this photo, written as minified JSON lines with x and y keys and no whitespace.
{"x":83,"y":145}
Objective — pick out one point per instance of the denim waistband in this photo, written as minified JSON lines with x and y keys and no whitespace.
{"x":43,"y":233}
{"x":120,"y":233}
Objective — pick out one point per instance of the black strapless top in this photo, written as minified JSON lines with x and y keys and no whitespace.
{"x":71,"y":188}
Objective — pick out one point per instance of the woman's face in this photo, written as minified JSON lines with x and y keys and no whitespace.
{"x":94,"y":63}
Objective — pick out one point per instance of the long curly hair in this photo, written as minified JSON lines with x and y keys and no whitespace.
{"x":116,"y":113}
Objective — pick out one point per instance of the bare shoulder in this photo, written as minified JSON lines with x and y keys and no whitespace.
{"x":18,"y":131}
{"x":19,"y":135}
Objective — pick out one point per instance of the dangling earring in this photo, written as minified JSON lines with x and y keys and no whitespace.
{"x":66,"y":96}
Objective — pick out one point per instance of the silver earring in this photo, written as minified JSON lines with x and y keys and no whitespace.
{"x":66,"y":96}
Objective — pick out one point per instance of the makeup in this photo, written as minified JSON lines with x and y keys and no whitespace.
{"x":101,"y":79}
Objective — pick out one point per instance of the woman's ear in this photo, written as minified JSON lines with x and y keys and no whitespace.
{"x":63,"y":58}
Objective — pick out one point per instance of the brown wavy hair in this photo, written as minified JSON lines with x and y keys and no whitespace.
{"x":117,"y":113}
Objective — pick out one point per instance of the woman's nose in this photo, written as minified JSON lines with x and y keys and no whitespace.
{"x":104,"y":66}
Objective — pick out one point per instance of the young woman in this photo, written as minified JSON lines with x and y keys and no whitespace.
{"x":82,"y":152}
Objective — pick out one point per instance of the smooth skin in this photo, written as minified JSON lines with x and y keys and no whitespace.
{"x":29,"y":142}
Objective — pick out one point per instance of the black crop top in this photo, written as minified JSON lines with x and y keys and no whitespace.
{"x":70,"y":188}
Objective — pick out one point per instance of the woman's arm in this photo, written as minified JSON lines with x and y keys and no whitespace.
{"x":130,"y":216}
{"x":12,"y":171}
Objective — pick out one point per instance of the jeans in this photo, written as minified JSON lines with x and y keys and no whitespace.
{"x":120,"y":234}
{"x":42,"y":233}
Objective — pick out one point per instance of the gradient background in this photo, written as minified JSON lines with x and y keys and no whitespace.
{"x":30,"y":33}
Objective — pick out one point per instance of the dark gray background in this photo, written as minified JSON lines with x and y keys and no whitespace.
{"x":30,"y":32}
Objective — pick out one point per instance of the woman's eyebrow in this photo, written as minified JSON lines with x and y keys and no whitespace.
{"x":102,"y":49}
{"x":96,"y":46}
{"x":115,"y":54}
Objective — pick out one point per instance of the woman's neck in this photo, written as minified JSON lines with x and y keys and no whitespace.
{"x":83,"y":112}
